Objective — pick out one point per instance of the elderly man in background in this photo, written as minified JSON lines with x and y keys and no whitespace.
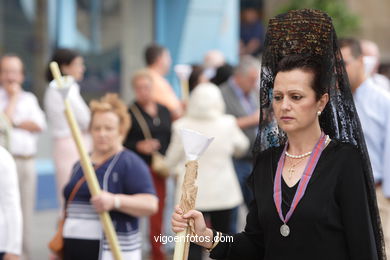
{"x":241,"y":99}
{"x":371,"y":59}
{"x":213,"y":59}
{"x":27,"y":120}
{"x":373,"y":107}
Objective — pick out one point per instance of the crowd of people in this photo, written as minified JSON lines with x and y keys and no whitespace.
{"x":308,"y":157}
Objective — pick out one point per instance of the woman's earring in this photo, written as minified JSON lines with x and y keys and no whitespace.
{"x":319,"y":113}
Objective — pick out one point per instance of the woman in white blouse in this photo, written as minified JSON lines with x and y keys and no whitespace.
{"x":65,"y":154}
{"x":10,"y":211}
{"x":218,"y":187}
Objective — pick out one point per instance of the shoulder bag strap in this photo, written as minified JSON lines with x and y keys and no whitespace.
{"x":141,"y":120}
{"x":74,"y":191}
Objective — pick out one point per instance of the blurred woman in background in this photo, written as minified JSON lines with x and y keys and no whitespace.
{"x":216,"y":176}
{"x":197,"y":76}
{"x":71,"y":64}
{"x":151,"y":133}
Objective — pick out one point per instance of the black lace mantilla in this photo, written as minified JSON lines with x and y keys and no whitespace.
{"x":311,"y":32}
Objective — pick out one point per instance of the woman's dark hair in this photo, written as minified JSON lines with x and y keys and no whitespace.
{"x":62,"y":57}
{"x":222,"y":74}
{"x":195,"y":75}
{"x":305,"y":63}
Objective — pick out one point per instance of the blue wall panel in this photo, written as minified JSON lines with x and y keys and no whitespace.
{"x":210,"y":25}
{"x":46,"y":192}
{"x":189,"y":28}
{"x":169,"y":24}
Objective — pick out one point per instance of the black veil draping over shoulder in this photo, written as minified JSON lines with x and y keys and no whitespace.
{"x":311,"y":32}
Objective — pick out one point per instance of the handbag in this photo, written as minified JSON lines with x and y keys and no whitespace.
{"x":56,"y":244}
{"x":158,"y":164}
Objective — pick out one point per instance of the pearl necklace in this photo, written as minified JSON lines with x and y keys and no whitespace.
{"x":305,"y":154}
{"x":298,"y":156}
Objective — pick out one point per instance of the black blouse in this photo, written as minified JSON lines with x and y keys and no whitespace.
{"x":331,"y":222}
{"x":160,"y":128}
{"x":288,"y":194}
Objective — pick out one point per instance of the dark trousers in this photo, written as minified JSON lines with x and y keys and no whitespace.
{"x":243,"y":170}
{"x":80,"y":249}
{"x":220,"y":221}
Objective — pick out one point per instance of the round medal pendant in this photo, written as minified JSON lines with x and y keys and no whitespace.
{"x":284,"y":230}
{"x":156,"y":121}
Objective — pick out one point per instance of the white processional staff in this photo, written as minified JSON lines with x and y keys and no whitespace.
{"x":63,"y":86}
{"x":183,"y":72}
{"x":194,"y":146}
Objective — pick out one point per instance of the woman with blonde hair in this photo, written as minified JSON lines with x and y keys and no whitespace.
{"x":128,"y":191}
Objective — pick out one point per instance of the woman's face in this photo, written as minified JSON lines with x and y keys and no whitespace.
{"x":294,"y":101}
{"x":75,"y":69}
{"x":105,"y":132}
{"x":143,"y":90}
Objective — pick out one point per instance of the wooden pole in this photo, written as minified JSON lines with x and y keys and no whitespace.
{"x":185,"y":90}
{"x":88,"y":170}
{"x":187,"y":202}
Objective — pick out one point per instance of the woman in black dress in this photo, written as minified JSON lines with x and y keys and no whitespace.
{"x":150,"y":118}
{"x":312,"y":180}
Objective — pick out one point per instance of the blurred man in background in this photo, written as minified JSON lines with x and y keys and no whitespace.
{"x":27,"y":120}
{"x":158,"y":61}
{"x":371,"y":59}
{"x":373,"y":107}
{"x":241,"y":99}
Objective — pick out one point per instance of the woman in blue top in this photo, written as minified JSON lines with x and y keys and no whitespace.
{"x":128,"y":192}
